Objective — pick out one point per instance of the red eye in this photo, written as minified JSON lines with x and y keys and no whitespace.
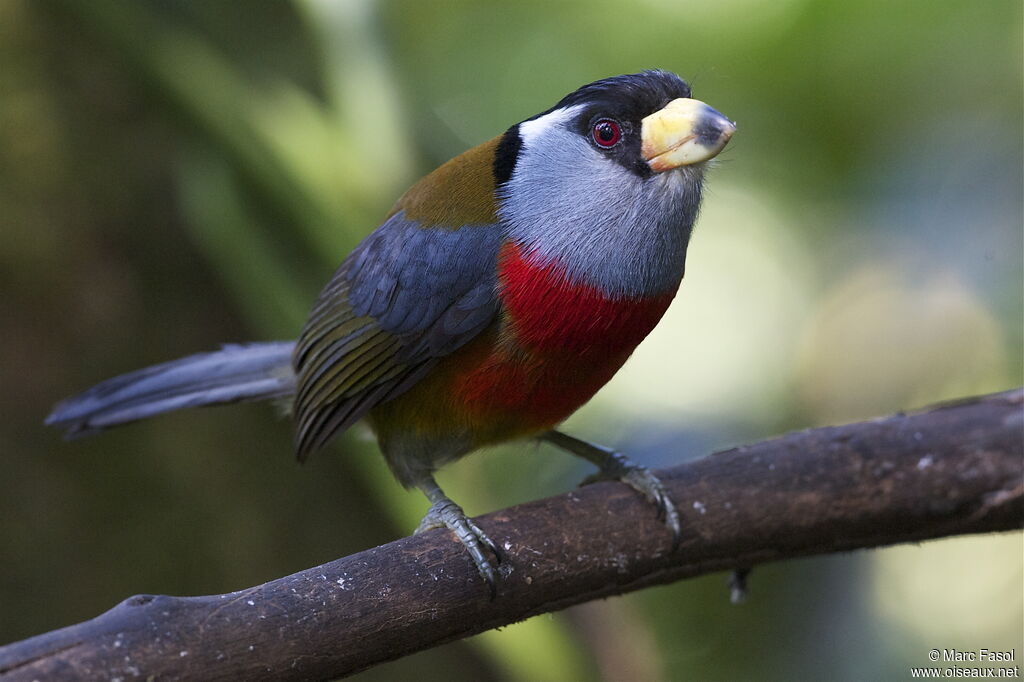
{"x":606,"y":133}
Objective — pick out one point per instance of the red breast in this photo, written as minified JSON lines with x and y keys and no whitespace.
{"x":558,"y":343}
{"x":550,"y":315}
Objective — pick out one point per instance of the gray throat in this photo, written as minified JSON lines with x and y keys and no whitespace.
{"x":608,"y":227}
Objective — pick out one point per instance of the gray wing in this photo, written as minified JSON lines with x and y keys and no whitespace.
{"x":404,"y":298}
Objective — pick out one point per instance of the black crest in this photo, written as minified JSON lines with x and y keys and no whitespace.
{"x":634,"y":94}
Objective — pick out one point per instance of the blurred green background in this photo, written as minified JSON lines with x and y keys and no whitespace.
{"x":174,"y":175}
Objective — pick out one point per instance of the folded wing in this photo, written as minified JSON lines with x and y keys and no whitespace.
{"x":404,"y":298}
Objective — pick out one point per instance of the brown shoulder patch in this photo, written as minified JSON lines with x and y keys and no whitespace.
{"x":460,"y":192}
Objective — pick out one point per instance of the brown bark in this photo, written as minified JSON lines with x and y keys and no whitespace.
{"x":950,"y":470}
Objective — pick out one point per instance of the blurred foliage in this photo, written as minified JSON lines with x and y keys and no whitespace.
{"x":174,"y":175}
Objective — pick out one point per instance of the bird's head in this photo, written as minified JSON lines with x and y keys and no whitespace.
{"x":614,"y":167}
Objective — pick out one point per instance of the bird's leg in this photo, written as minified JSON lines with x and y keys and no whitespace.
{"x":444,"y":513}
{"x":615,"y":466}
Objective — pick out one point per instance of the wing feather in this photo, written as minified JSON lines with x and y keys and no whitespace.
{"x":406,"y":297}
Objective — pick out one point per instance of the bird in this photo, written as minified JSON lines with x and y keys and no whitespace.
{"x":498,"y":295}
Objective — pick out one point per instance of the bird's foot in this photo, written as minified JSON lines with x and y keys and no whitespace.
{"x":642,"y":480}
{"x":444,"y":513}
{"x":614,"y":466}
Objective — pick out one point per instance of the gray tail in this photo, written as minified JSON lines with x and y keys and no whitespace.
{"x":256,"y":371}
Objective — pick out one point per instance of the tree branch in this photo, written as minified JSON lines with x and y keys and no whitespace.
{"x":950,"y":470}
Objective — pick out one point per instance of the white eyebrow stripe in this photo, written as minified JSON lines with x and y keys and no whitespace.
{"x":532,"y":130}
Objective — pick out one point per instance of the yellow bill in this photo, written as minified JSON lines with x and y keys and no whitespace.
{"x":684,"y":132}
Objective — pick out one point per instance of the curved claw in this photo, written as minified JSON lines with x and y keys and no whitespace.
{"x":650,"y":486}
{"x":447,"y":514}
{"x":615,"y":466}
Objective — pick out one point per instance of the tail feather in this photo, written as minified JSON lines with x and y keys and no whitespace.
{"x":257,"y":371}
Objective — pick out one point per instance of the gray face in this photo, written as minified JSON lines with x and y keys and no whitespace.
{"x":572,"y":204}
